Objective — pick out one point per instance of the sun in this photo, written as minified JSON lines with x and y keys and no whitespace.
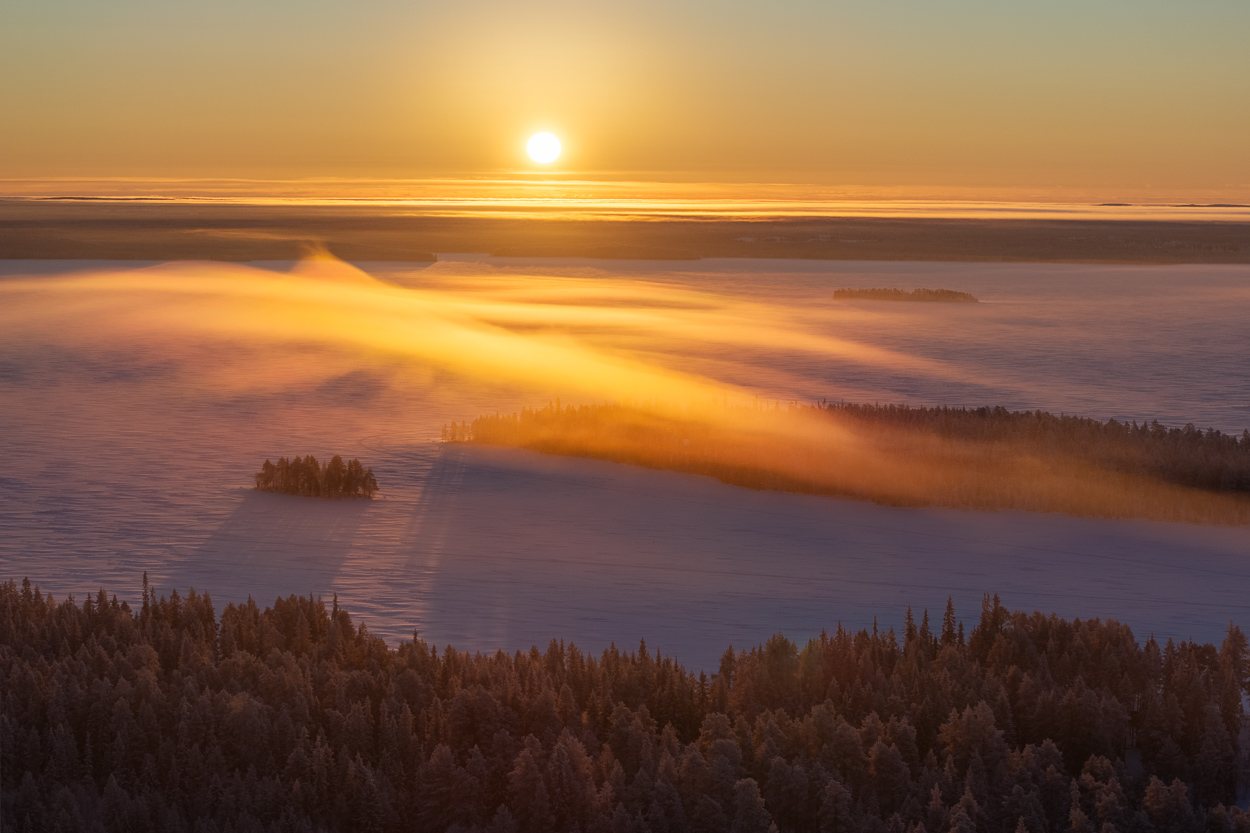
{"x":543,"y":148}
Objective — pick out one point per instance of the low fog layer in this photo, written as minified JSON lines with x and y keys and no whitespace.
{"x":139,"y":401}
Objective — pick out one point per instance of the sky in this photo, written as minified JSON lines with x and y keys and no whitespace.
{"x":1101,"y":99}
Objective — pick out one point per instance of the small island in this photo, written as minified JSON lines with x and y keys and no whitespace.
{"x":306,"y":477}
{"x":939,"y":296}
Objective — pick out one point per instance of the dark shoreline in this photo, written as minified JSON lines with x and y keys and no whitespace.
{"x":145,"y":230}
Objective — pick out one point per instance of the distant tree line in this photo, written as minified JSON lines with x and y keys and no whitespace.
{"x":305,"y":476}
{"x":1186,"y":456}
{"x":167,"y":718}
{"x":931,"y":295}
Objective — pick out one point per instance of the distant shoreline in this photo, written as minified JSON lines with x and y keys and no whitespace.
{"x":163,"y":231}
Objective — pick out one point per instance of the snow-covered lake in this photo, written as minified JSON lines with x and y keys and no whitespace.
{"x":130,"y":435}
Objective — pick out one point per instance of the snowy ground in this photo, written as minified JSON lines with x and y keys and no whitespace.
{"x":123,"y":459}
{"x":483,"y":548}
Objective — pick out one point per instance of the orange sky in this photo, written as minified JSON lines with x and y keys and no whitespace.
{"x":1120,"y":99}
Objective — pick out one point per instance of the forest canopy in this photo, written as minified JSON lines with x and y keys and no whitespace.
{"x":982,"y":458}
{"x":306,"y":477}
{"x":166,"y":717}
{"x":944,"y":296}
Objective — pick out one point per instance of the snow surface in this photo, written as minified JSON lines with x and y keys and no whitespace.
{"x":122,"y":460}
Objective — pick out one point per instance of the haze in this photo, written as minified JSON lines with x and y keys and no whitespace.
{"x":1023,"y":100}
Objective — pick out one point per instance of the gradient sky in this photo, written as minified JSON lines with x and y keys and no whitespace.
{"x":1109,"y":96}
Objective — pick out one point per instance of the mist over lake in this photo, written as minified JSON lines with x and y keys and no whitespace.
{"x":132,"y":438}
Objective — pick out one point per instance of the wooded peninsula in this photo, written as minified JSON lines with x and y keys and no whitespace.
{"x":306,"y":477}
{"x":978,"y":458}
{"x":167,"y":718}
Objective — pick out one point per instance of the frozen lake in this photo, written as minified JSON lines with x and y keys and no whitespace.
{"x":130,"y":434}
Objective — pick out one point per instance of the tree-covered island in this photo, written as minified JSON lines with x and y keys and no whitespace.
{"x":941,"y":296}
{"x":306,"y":477}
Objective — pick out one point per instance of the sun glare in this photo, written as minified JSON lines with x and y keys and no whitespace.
{"x":543,"y":148}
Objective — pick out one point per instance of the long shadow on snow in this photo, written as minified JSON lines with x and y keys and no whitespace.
{"x":274,"y":545}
